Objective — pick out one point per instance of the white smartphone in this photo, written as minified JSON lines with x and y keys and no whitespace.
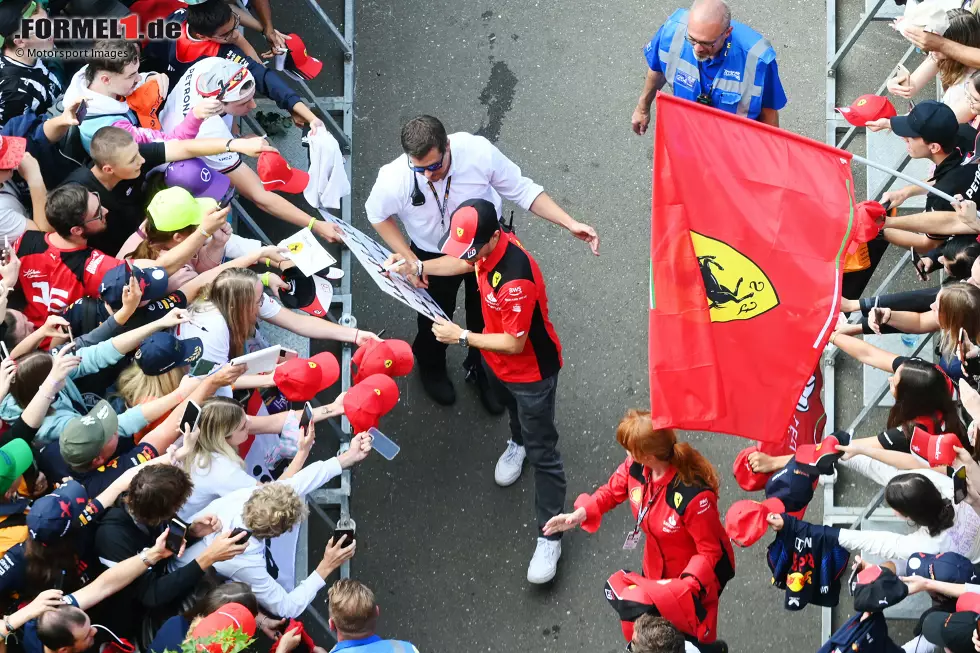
{"x":3,"y":348}
{"x":383,"y":444}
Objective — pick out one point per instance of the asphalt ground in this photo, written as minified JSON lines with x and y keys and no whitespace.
{"x":553,"y":85}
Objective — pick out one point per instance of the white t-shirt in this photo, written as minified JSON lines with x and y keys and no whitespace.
{"x":209,"y":325}
{"x":477,"y":170}
{"x":182,"y":99}
{"x":222,"y":477}
{"x":13,"y":214}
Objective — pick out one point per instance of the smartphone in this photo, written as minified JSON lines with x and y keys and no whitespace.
{"x":345,"y":532}
{"x":59,"y":581}
{"x":5,"y":253}
{"x":287,"y":354}
{"x":226,"y":200}
{"x":306,"y":418}
{"x":383,"y":444}
{"x":916,"y":261}
{"x":236,"y":531}
{"x":175,"y":537}
{"x":3,"y":349}
{"x":71,"y":336}
{"x":203,"y":367}
{"x":961,"y":345}
{"x":81,"y":111}
{"x":189,"y":420}
{"x":902,"y":73}
{"x":959,"y":485}
{"x":877,"y":312}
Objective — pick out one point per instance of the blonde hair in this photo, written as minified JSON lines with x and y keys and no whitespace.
{"x":272,"y":510}
{"x":636,"y":434}
{"x":352,"y":607}
{"x":233,"y":294}
{"x":220,"y":417}
{"x":959,"y":308}
{"x":135,"y":386}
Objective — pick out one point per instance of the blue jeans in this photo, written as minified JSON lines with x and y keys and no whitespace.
{"x":531,"y":408}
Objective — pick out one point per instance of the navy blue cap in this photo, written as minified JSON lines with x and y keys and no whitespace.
{"x":932,"y":121}
{"x":876,"y":588}
{"x":153,"y":282}
{"x":793,"y":485}
{"x":52,"y":516}
{"x":162,"y":352}
{"x":85,"y":314}
{"x":946,"y":567}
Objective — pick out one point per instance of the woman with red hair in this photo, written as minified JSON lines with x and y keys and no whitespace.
{"x":673,"y":493}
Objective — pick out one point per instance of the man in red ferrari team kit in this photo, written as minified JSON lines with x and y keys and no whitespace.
{"x":521,"y":353}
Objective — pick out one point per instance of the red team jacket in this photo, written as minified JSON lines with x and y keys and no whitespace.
{"x":684,"y":536}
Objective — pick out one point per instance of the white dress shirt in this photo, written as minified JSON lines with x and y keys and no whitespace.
{"x":249,"y":567}
{"x":478,"y":170}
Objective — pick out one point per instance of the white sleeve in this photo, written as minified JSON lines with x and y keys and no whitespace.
{"x":882,"y":473}
{"x":892,"y":546}
{"x":314,"y":476}
{"x":269,"y":307}
{"x":384,"y":200}
{"x":271,"y":595}
{"x":238,"y":246}
{"x":506,"y":179}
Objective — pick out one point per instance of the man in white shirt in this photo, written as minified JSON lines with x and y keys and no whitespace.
{"x":234,"y":86}
{"x":422,"y":188}
{"x":269,"y":511}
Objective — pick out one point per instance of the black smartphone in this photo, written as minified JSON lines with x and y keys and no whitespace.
{"x":307,"y":417}
{"x":226,"y":200}
{"x":345,"y":532}
{"x":961,"y":345}
{"x":81,"y":111}
{"x":917,"y":264}
{"x":175,"y":537}
{"x":203,"y":367}
{"x":959,"y":485}
{"x":59,"y":581}
{"x":236,"y":531}
{"x":189,"y":420}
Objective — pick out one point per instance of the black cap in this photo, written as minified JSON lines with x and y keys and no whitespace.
{"x":877,"y":588}
{"x":11,"y":14}
{"x":932,"y":121}
{"x":953,"y":631}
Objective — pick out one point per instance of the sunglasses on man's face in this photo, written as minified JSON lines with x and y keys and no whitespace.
{"x":431,"y":168}
{"x":231,"y":33}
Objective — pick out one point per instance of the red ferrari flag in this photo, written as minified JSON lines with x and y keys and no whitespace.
{"x":750,"y":228}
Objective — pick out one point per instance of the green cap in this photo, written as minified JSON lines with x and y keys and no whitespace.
{"x":83,"y":437}
{"x":15,"y":458}
{"x":173,"y":209}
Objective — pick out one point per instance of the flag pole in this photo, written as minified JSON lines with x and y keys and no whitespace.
{"x":902,"y":175}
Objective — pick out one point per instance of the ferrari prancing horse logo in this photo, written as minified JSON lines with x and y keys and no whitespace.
{"x":736,"y":288}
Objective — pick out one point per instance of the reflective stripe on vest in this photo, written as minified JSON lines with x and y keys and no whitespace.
{"x":746,"y":88}
{"x":383,"y":646}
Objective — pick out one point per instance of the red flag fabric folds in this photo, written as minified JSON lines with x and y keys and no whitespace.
{"x":750,"y":225}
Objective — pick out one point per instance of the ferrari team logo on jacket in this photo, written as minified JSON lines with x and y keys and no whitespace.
{"x":737,"y":289}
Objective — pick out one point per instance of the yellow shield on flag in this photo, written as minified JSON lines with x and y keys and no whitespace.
{"x":736,"y":288}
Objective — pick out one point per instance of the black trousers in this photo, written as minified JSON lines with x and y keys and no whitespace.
{"x":430,"y":352}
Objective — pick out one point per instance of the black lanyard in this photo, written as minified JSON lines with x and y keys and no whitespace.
{"x":641,"y":513}
{"x":445,"y":200}
{"x":714,"y":80}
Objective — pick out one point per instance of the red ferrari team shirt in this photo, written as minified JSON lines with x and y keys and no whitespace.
{"x":52,"y":278}
{"x":515,"y":301}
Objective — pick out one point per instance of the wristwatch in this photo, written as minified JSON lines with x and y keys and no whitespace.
{"x":146,"y":560}
{"x":464,"y":338}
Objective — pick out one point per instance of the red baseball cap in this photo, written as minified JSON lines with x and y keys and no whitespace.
{"x":369,"y":400}
{"x":747,"y":479}
{"x":388,"y":357}
{"x":12,"y":150}
{"x":301,"y":379}
{"x":230,"y":615}
{"x":307,"y":66}
{"x":867,"y":108}
{"x":933,"y":450}
{"x":471,"y":226}
{"x":745,"y":521}
{"x":276,"y":174}
{"x":821,"y":456}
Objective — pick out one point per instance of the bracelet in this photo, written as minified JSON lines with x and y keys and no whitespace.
{"x":206,"y":234}
{"x":418,"y":267}
{"x":228,"y":145}
{"x":265,"y":278}
{"x":312,"y":222}
{"x":832,"y":336}
{"x":356,"y":333}
{"x":144,"y":558}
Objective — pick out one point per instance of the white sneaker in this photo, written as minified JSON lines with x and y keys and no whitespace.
{"x":544,"y":563}
{"x":509,"y":465}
